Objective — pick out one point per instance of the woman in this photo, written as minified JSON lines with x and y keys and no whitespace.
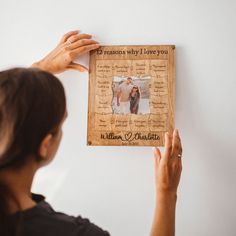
{"x":134,"y":98}
{"x":32,"y":112}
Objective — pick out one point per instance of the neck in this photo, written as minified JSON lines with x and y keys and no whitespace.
{"x":18,"y":183}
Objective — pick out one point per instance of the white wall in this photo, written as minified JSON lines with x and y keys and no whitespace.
{"x":114,"y":186}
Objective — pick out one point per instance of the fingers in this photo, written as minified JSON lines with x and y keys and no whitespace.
{"x":157,"y":153}
{"x":81,"y":43}
{"x":168,"y":147}
{"x":176,"y":145}
{"x":68,"y":35}
{"x":74,"y":38}
{"x":157,"y":158}
{"x":82,"y":50}
{"x":78,"y":67}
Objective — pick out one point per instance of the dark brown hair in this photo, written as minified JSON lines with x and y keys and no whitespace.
{"x":138,"y":91}
{"x":32,"y":105}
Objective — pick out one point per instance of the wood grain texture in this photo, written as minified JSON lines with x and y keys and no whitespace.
{"x":152,"y":70}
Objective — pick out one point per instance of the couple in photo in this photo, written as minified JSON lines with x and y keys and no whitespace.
{"x":128,"y":97}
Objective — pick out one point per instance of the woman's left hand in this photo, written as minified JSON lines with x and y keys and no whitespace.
{"x":72,"y":46}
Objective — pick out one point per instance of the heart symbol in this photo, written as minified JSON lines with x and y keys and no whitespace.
{"x":128,"y":136}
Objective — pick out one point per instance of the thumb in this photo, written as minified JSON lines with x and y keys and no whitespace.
{"x":157,"y":154}
{"x":78,"y":67}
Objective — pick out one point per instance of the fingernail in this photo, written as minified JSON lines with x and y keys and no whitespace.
{"x":176,"y":132}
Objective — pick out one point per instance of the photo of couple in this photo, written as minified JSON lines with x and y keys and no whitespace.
{"x":131,"y":95}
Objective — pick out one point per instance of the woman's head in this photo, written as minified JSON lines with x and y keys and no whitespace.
{"x":136,"y":90}
{"x":32,"y":110}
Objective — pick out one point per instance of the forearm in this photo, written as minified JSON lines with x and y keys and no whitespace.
{"x":164,"y":216}
{"x":42,"y":65}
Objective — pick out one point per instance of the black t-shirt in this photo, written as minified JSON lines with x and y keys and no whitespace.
{"x":42,"y":220}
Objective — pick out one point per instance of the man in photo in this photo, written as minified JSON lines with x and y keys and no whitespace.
{"x":123,"y":96}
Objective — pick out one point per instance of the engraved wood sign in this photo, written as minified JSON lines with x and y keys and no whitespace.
{"x":131,"y":95}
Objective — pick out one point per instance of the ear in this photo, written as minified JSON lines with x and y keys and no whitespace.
{"x":45,"y":146}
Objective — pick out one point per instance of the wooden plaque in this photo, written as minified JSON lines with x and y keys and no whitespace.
{"x":131,"y":95}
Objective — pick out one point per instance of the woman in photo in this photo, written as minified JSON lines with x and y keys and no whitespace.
{"x":134,"y":100}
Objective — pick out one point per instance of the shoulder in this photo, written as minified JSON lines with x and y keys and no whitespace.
{"x":121,"y":85}
{"x":45,"y":221}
